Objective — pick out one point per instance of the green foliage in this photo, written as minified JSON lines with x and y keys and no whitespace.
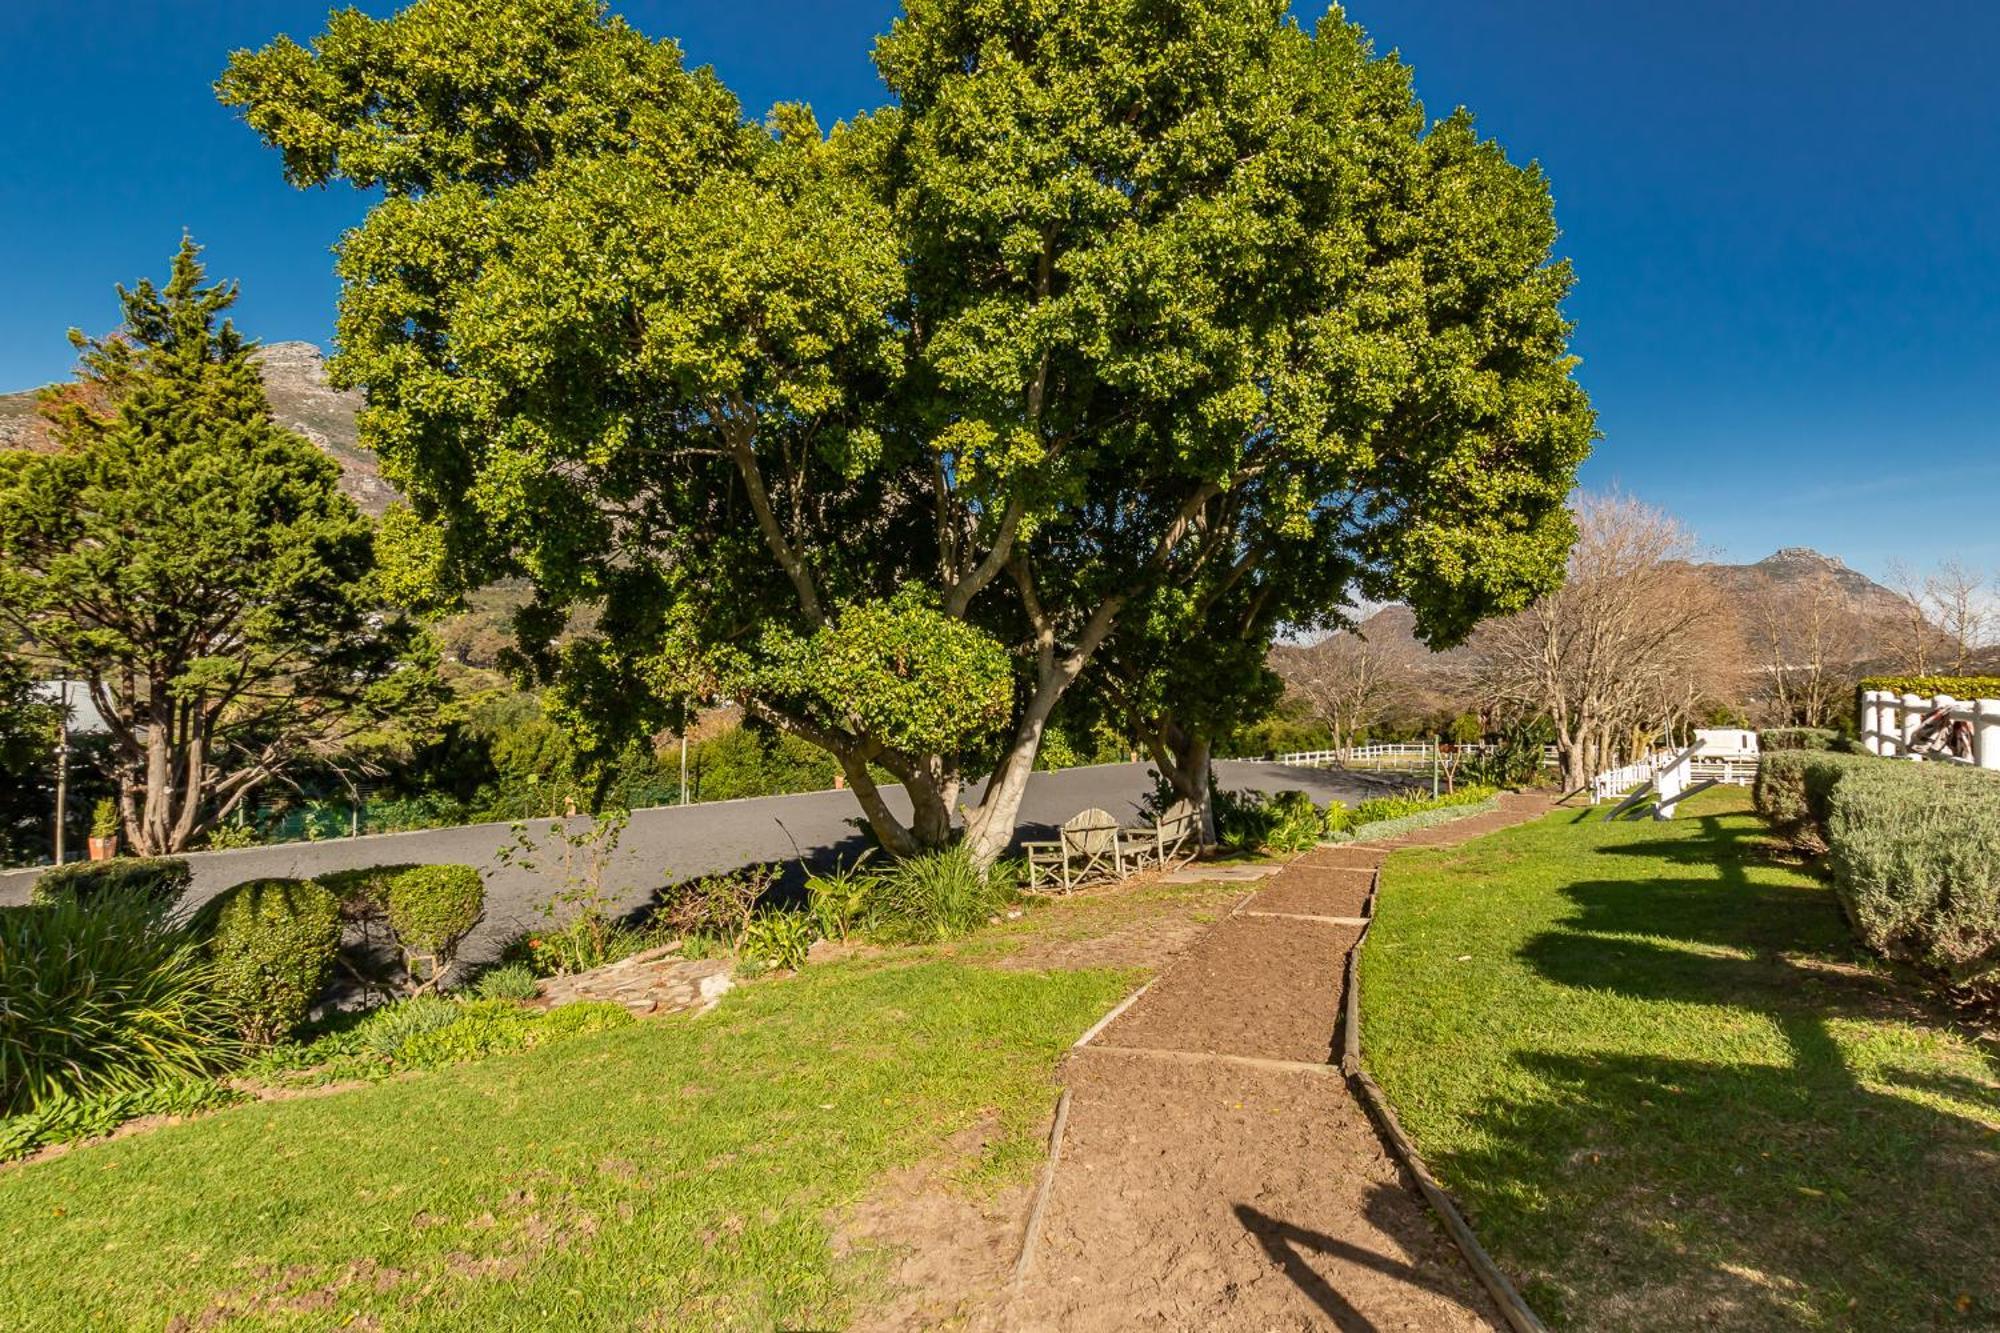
{"x":363,"y":892}
{"x":1336,"y":819}
{"x":182,"y":540}
{"x":507,"y":981}
{"x":1794,"y":791}
{"x":104,"y":819}
{"x":432,"y":909}
{"x":937,"y":896}
{"x":271,"y":943}
{"x":1518,"y":758}
{"x":1958,"y":687}
{"x":27,"y":764}
{"x":1443,"y":812}
{"x":1797,"y":738}
{"x":837,"y":899}
{"x":585,"y":941}
{"x":753,"y":761}
{"x":68,"y":1119}
{"x":898,"y":669}
{"x":1380,"y":809}
{"x":160,"y":881}
{"x":1296,"y":823}
{"x":385,"y":1031}
{"x":1180,"y":313}
{"x":779,"y":938}
{"x":101,"y":994}
{"x":491,"y":1027}
{"x":1915,"y":853}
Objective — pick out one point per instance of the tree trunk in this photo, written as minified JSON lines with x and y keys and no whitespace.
{"x":889,"y":831}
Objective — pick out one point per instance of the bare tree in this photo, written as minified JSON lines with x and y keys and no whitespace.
{"x":1956,"y":599}
{"x":1635,"y":641}
{"x":1348,"y":682}
{"x":1808,"y":643}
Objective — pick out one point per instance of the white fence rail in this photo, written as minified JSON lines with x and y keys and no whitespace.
{"x":1890,"y":721}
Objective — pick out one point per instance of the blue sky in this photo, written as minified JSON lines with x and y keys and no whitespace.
{"x":1785,"y":218}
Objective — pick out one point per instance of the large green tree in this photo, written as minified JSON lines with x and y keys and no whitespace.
{"x":197,"y":568}
{"x":884,"y":432}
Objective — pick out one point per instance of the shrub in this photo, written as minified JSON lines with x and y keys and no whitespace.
{"x":1243,"y":819}
{"x":101,"y":995}
{"x":363,"y":892}
{"x":837,"y":899}
{"x":432,"y":909}
{"x":1794,"y":787}
{"x":385,"y":1031}
{"x":937,"y":896}
{"x":779,"y":938}
{"x":1336,"y":819}
{"x":161,"y":880}
{"x":508,"y":981}
{"x":1295,"y":823}
{"x":1797,"y":738}
{"x":271,"y":942}
{"x":104,"y":819}
{"x":586,"y":941}
{"x":1915,"y":853}
{"x":1381,"y":809}
{"x":716,"y":904}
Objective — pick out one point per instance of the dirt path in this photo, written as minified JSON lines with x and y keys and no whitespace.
{"x":1216,"y":1172}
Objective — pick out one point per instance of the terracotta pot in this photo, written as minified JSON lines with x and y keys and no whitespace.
{"x":103,"y":849}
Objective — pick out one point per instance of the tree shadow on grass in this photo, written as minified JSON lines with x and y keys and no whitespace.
{"x":1729,"y":1188}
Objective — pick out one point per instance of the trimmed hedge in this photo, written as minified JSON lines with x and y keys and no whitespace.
{"x":1794,"y":788}
{"x":272,"y":942}
{"x":1958,"y":687}
{"x":1797,"y":738}
{"x":1915,"y":853}
{"x":161,"y":879}
{"x":363,"y":892}
{"x":432,"y":909}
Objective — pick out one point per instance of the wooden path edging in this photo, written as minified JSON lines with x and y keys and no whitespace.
{"x":1033,"y":1230}
{"x":1519,"y":1315}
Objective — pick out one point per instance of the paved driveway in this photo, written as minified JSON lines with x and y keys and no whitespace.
{"x":669,"y":843}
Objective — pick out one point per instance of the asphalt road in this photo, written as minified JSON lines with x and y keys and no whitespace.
{"x":667,"y":844}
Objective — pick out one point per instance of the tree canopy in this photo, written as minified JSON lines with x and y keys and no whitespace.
{"x":197,"y":568}
{"x":1116,"y":299}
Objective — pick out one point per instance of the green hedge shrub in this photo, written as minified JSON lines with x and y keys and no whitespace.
{"x":101,"y":995}
{"x":163,"y":880}
{"x":1915,"y":853}
{"x":1794,"y":788}
{"x":272,"y":942}
{"x":1958,"y":687}
{"x":363,"y":893}
{"x":1797,"y":738}
{"x":507,"y":981}
{"x":432,"y":909}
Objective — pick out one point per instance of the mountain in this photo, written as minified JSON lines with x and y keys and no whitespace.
{"x":295,"y":380}
{"x":1798,"y":569}
{"x":1790,"y":573}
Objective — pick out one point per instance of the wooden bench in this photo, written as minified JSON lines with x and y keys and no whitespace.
{"x":1173,"y":838}
{"x":1089,"y":846}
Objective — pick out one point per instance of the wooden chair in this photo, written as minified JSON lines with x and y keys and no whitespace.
{"x":1089,"y":848}
{"x":1173,"y":838}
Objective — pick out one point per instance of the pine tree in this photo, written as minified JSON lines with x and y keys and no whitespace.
{"x":196,"y":566}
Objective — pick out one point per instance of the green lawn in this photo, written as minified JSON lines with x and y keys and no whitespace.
{"x":673,"y":1174}
{"x":1651,"y":1062}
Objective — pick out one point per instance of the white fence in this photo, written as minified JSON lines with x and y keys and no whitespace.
{"x":1688,"y":767}
{"x":1889,"y":723}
